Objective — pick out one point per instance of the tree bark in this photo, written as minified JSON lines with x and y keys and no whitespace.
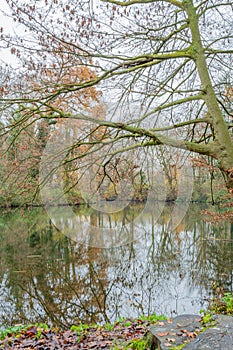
{"x":224,"y":150}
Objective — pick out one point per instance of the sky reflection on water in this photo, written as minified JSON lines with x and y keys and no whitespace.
{"x":47,"y":277}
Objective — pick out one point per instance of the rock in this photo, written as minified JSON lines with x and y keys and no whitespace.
{"x":172,"y":333}
{"x":187,"y":329}
{"x":219,"y":337}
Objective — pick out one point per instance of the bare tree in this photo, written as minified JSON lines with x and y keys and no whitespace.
{"x":163,"y":67}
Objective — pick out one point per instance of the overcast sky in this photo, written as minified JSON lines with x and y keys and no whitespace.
{"x":9,"y":27}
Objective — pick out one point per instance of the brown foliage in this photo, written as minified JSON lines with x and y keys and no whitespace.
{"x":92,"y":337}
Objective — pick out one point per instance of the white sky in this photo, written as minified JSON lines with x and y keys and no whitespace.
{"x":9,"y":26}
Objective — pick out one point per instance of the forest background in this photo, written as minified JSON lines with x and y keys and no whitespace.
{"x":126,"y":92}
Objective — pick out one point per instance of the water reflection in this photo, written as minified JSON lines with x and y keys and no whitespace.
{"x":166,"y":268}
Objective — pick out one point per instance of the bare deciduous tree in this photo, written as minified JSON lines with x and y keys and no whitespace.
{"x":163,"y":67}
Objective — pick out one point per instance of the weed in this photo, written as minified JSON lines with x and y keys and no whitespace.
{"x":40,"y":328}
{"x":13,"y":331}
{"x":127,"y":324}
{"x":228,"y":299}
{"x":222,"y":303}
{"x":153,"y":318}
{"x":109,"y":326}
{"x":80,"y":330}
{"x":120,"y":320}
{"x":178,"y":347}
{"x":137,"y":344}
{"x":16,"y":331}
{"x":207,"y":317}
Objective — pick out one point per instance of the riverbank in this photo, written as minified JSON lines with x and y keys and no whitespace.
{"x":123,"y":334}
{"x":188,"y":332}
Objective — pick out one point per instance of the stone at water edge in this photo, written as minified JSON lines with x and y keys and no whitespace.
{"x":172,"y":333}
{"x":218,"y":337}
{"x":186,"y":328}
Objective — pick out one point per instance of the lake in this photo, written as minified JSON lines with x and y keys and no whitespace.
{"x":100,"y":265}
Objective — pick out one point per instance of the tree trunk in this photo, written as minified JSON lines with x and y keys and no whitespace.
{"x":228,"y":174}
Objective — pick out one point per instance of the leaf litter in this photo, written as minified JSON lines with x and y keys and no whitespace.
{"x":121,"y":334}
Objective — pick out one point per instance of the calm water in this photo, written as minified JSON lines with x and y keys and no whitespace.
{"x":128,"y":263}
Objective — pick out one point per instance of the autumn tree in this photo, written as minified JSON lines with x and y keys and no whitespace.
{"x":163,"y":67}
{"x":25,"y":130}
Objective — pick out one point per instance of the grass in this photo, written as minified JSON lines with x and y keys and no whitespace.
{"x":153,"y":318}
{"x":137,"y":344}
{"x":109,"y":326}
{"x":80,"y":330}
{"x":17,"y":330}
{"x":178,"y":347}
{"x":222,"y":303}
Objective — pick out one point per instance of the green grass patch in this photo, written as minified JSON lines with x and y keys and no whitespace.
{"x":137,"y":344}
{"x":80,"y":330}
{"x":109,"y":326}
{"x":153,"y":318}
{"x":221,"y":303}
{"x":16,"y":331}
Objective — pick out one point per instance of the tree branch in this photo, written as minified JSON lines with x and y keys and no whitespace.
{"x":132,"y":2}
{"x":181,"y":125}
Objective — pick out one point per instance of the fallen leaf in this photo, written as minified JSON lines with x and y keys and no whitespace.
{"x":162,"y":334}
{"x":171,"y":340}
{"x":191,"y":334}
{"x":184,"y":330}
{"x":92,"y":344}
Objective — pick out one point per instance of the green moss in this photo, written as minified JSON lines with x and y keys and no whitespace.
{"x":179,"y":347}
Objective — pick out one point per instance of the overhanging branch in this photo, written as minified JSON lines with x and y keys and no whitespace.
{"x":154,"y":138}
{"x":132,"y":2}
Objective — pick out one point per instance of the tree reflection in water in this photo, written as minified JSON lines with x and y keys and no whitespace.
{"x":165,"y":267}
